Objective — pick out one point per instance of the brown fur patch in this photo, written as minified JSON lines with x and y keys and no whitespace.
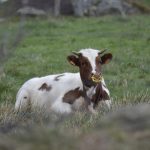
{"x":57,"y":78}
{"x":72,"y":95}
{"x":44,"y":86}
{"x":99,"y":95}
{"x":85,"y":68}
{"x":98,"y":64}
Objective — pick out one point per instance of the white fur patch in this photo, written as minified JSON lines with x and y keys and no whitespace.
{"x":91,"y":91}
{"x":61,"y":107}
{"x":78,"y":103}
{"x":91,"y":55}
{"x":104,"y":87}
{"x":91,"y":109}
{"x":108,"y":103}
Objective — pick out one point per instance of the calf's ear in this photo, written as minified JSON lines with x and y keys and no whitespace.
{"x":106,"y":58}
{"x":73,"y":60}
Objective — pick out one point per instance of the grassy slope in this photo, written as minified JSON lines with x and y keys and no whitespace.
{"x":43,"y":51}
{"x":47,"y":44}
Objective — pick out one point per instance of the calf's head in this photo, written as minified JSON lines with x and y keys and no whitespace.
{"x":90,"y":63}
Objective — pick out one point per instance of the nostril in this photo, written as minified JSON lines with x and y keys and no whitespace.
{"x":92,"y":74}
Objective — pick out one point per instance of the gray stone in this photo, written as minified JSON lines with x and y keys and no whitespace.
{"x":110,"y":7}
{"x":129,"y":9}
{"x":31,"y":11}
{"x":115,"y":7}
{"x":81,"y":7}
{"x":3,"y":1}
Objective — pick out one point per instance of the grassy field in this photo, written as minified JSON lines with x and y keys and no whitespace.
{"x":43,"y":51}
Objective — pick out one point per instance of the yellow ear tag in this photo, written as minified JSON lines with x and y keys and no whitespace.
{"x":72,"y":63}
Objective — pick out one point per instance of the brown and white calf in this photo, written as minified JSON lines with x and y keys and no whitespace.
{"x":64,"y":92}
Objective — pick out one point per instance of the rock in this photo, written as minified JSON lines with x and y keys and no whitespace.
{"x":116,"y":7}
{"x":3,"y":1}
{"x":81,"y":7}
{"x":78,"y":8}
{"x":31,"y":11}
{"x":110,"y":7}
{"x":129,"y":8}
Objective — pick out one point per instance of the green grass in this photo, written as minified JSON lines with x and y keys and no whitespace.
{"x":144,"y":2}
{"x":48,"y":42}
{"x":43,"y":51}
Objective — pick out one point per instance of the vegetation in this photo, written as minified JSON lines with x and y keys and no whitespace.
{"x":43,"y":51}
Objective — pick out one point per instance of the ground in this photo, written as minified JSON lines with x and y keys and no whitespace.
{"x":42,"y":49}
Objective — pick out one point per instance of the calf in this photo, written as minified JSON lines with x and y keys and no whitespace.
{"x":64,"y":92}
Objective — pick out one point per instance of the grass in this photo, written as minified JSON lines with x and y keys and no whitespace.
{"x":48,"y":42}
{"x":43,"y":51}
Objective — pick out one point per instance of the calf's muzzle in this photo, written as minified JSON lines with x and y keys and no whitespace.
{"x":96,"y":78}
